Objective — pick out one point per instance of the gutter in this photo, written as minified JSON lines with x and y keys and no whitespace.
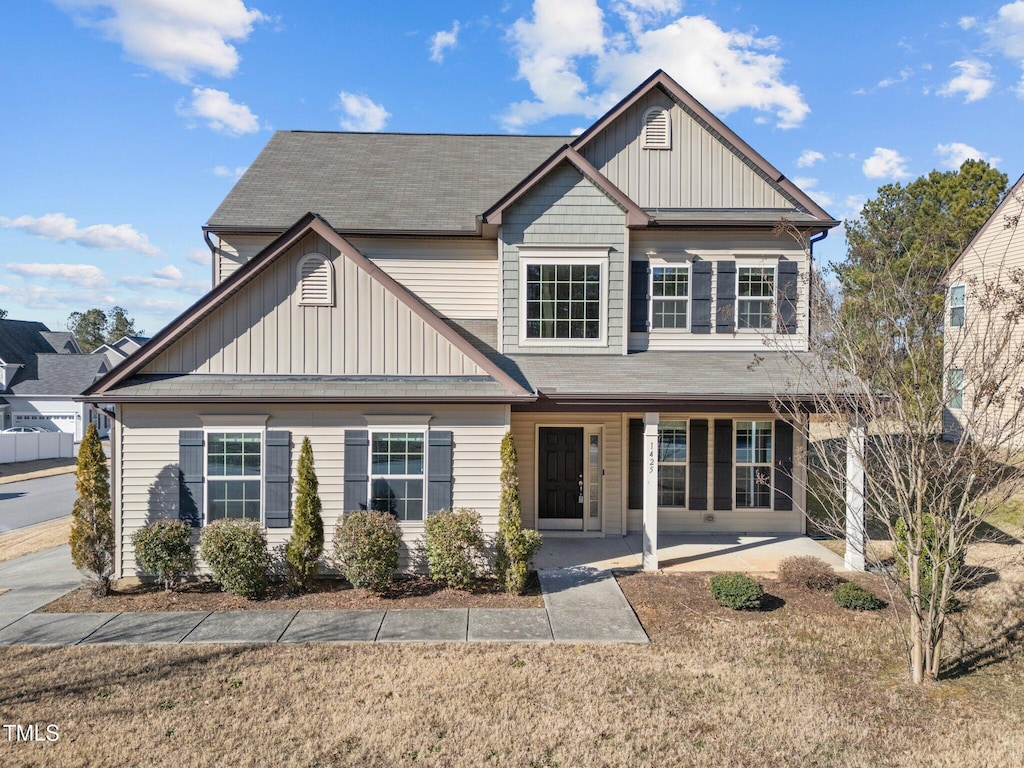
{"x":96,"y":400}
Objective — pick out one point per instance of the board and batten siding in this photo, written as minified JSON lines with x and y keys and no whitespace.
{"x":565,"y":209}
{"x":457,"y":277}
{"x":699,"y":171}
{"x":146,"y":471}
{"x":262,"y":329}
{"x":676,"y":247}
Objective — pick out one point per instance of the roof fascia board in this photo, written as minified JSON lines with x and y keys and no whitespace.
{"x":115,"y":398}
{"x":247,"y":230}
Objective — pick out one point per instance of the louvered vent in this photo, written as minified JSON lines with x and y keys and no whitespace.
{"x":316,"y":282}
{"x":657,"y":131}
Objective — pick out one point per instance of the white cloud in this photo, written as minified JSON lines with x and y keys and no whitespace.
{"x":885,"y":164}
{"x":177,"y":38}
{"x":170,"y":272}
{"x":974,"y":80}
{"x":106,"y":237}
{"x":805,"y":182}
{"x":967,"y":22}
{"x":167,"y":278}
{"x":443,"y":40}
{"x":808,"y":158}
{"x":83,"y":275}
{"x":200,"y":256}
{"x":905,"y":74}
{"x":955,"y":153}
{"x":1006,"y":30}
{"x":220,"y":112}
{"x":228,"y":173}
{"x":726,"y":70}
{"x":852,"y":205}
{"x":361,"y":113}
{"x":38,"y":297}
{"x":808,"y":185}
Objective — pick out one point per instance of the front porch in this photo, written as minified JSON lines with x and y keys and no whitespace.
{"x":683,"y":552}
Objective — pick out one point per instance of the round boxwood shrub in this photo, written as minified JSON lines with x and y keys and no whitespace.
{"x":737,"y":591}
{"x":366,"y":549}
{"x":855,"y":598}
{"x":807,"y":572}
{"x":236,"y":551}
{"x":454,"y":542}
{"x":163,"y":549}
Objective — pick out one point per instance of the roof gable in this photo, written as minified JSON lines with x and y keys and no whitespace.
{"x":998,"y":230}
{"x":21,"y":340}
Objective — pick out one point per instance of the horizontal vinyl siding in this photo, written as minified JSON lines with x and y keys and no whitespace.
{"x":148,"y":470}
{"x":700,"y":171}
{"x":235,"y":250}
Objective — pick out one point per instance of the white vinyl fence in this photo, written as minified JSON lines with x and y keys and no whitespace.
{"x":29,"y":446}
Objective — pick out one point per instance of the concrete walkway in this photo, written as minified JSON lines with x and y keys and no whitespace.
{"x":35,"y":580}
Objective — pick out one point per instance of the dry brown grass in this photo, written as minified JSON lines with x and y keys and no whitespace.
{"x":35,"y":538}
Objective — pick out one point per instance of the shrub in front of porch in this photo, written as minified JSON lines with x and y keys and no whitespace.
{"x":807,"y":572}
{"x":163,"y":548}
{"x":854,"y":597}
{"x":515,"y":547}
{"x":366,"y":549}
{"x":737,"y":591}
{"x":454,"y":546}
{"x":236,"y":551}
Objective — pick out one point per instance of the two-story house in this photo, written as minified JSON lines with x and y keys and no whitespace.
{"x":404,"y":300}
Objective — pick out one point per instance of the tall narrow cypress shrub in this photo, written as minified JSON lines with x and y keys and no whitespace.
{"x":515,"y":546}
{"x":307,"y":542}
{"x":92,"y":529}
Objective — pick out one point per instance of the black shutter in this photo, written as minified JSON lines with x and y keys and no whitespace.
{"x":698,"y":449}
{"x":638,"y":295}
{"x":725,"y":306}
{"x":700,"y":292}
{"x":190,"y":476}
{"x":439,"y":471}
{"x":723,"y":464}
{"x":787,"y":295}
{"x":277,"y":480}
{"x":783,"y":480}
{"x":357,"y":469}
{"x":636,"y":464}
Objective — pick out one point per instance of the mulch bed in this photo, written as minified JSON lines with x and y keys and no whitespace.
{"x":406,"y":592}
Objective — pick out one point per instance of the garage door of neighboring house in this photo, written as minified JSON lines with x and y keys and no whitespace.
{"x":55,"y":422}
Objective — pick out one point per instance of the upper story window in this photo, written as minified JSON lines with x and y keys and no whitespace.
{"x":755,"y":297}
{"x":753,"y":464}
{"x":397,"y":467}
{"x":657,"y":129}
{"x":957,"y":306}
{"x":316,"y":281}
{"x":670,"y":297}
{"x":672,"y":464}
{"x":564,"y":298}
{"x":234,"y":474}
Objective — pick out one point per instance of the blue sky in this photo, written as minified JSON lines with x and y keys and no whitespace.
{"x":127,"y":121}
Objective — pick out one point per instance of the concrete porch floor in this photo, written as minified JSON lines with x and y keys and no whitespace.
{"x":683,"y":552}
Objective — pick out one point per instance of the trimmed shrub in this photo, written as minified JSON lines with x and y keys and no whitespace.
{"x":92,"y":528}
{"x":855,"y":598}
{"x":306,"y":545}
{"x":366,"y":548}
{"x":163,"y":549}
{"x":453,"y":546}
{"x":737,"y":591}
{"x":807,"y":572}
{"x":514,"y":546}
{"x":236,"y":551}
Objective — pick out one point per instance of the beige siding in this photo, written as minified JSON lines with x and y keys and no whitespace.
{"x":262,"y":329}
{"x":714,"y":247}
{"x":700,"y":171}
{"x":233,"y":251}
{"x":147,"y":474}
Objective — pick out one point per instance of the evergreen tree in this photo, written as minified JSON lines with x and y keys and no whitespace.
{"x":120,"y":325}
{"x":92,"y":529}
{"x":306,"y":545}
{"x":515,"y":547}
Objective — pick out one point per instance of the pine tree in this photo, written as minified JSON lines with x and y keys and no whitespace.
{"x":92,"y":528}
{"x":307,"y":542}
{"x":515,"y":546}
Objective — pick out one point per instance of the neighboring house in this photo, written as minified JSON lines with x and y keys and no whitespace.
{"x":403,"y":300}
{"x":117,"y":352}
{"x":41,"y":372}
{"x":985,"y":285}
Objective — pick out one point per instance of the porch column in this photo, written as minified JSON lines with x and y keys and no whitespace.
{"x":650,"y":557}
{"x":855,"y":490}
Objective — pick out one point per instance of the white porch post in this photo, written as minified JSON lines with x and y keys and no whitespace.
{"x":855,"y":490}
{"x":650,"y":558}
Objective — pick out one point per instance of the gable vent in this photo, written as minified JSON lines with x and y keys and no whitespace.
{"x":316,"y":281}
{"x":657,"y":129}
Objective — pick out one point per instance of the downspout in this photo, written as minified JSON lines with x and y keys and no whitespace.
{"x":810,"y":276}
{"x":213,"y":257}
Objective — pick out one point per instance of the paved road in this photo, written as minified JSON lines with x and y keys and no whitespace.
{"x":35,"y":501}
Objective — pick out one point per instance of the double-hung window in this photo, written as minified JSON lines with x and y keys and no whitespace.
{"x":234,"y":475}
{"x":755,"y":297}
{"x":672,"y":464}
{"x":956,"y":388}
{"x":957,"y":306}
{"x":670,"y":297}
{"x":397,"y":467}
{"x":753,"y":464}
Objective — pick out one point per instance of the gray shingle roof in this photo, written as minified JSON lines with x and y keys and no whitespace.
{"x":20,"y":340}
{"x":381,"y":181}
{"x":55,"y":374}
{"x":63,"y":342}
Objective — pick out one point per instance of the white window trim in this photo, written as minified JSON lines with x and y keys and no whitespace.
{"x":952,"y":306}
{"x":647,"y":143}
{"x":330,"y":281}
{"x":737,"y":464}
{"x":662,"y":264}
{"x":575,"y":257}
{"x":677,"y":463}
{"x":952,"y":391}
{"x":262,"y":432}
{"x":384,"y":430}
{"x":755,"y":263}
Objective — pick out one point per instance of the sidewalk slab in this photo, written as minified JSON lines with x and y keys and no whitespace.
{"x":241,"y":627}
{"x":596,"y":625}
{"x":325,"y":626}
{"x":424,"y":625}
{"x":579,"y":587}
{"x":147,"y":628}
{"x":509,"y":625}
{"x":53,"y":628}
